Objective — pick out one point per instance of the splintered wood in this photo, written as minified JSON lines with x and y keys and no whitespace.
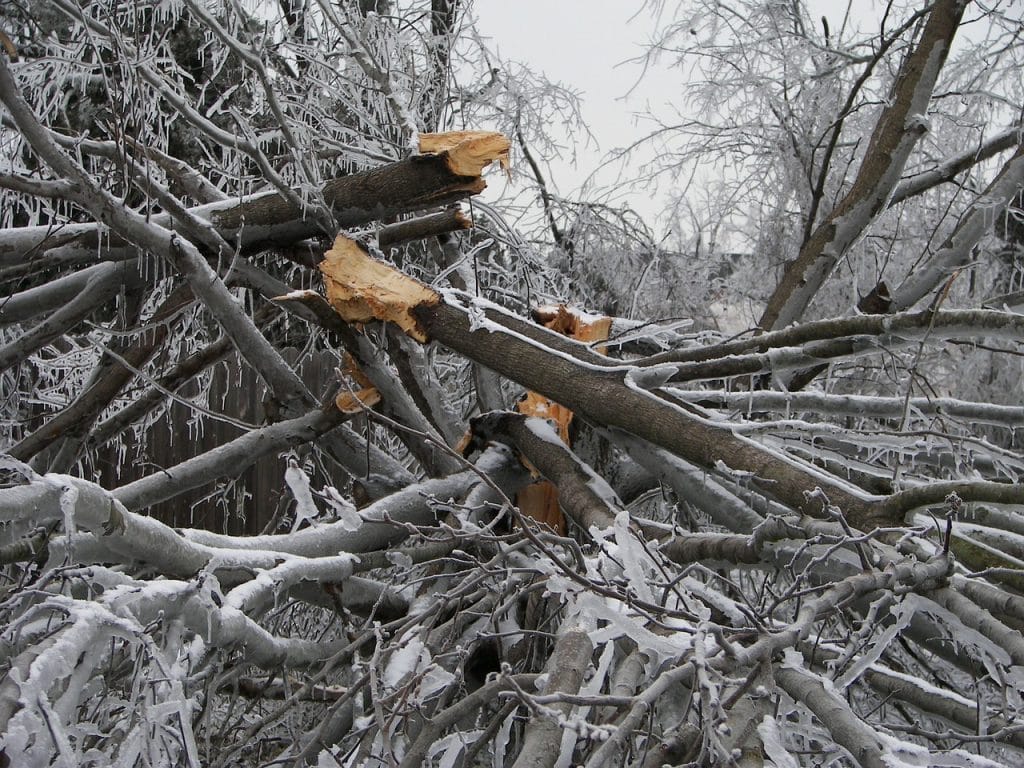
{"x":356,"y":400}
{"x":576,"y":325}
{"x":540,"y":499}
{"x":468,"y":152}
{"x":362,"y":289}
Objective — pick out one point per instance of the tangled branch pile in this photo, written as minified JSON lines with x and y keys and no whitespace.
{"x":265,"y":496}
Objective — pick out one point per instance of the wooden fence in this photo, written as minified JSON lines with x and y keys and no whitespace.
{"x":243,"y":505}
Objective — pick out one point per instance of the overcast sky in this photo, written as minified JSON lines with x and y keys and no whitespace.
{"x":587,"y":45}
{"x":584,"y":45}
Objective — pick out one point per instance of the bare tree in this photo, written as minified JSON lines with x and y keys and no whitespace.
{"x":266,"y":492}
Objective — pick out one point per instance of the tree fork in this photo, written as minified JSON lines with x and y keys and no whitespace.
{"x":895,"y":135}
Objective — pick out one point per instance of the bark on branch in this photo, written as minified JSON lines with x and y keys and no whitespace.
{"x":448,"y":171}
{"x":361,"y":289}
{"x":566,"y":667}
{"x":896,"y":134}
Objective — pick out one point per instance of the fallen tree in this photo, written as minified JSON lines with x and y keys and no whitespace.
{"x":419,"y":507}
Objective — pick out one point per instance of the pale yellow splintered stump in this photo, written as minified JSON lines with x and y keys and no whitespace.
{"x":362,"y":289}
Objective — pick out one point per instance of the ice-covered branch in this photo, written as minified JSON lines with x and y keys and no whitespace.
{"x":895,"y":135}
{"x":958,"y":248}
{"x":951,"y":168}
{"x":856,"y":736}
{"x":100,"y":287}
{"x":565,"y":671}
{"x":228,"y":460}
{"x":856,"y":405}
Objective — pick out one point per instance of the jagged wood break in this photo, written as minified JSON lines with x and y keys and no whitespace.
{"x":610,"y":394}
{"x":539,"y":500}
